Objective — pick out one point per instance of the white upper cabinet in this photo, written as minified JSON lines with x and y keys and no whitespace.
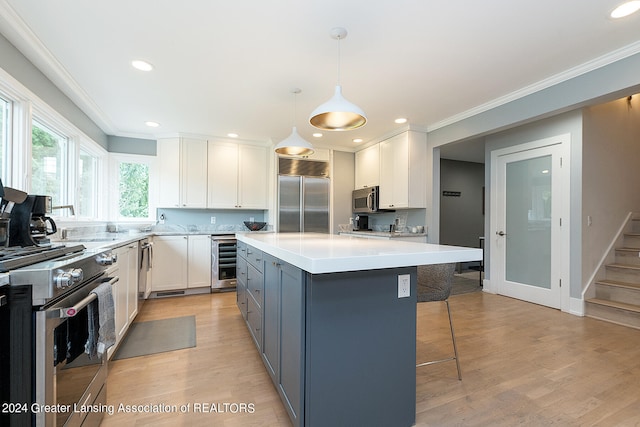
{"x":403,"y":178}
{"x":368,"y":167}
{"x":237,"y":177}
{"x":183,"y":173}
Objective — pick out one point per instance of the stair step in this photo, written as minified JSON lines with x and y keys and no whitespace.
{"x":624,"y":266}
{"x":625,"y":249}
{"x":632,"y":239}
{"x":615,"y":304}
{"x":619,"y":284}
{"x":614,"y":312}
{"x":628,"y":255}
{"x":623,"y":272}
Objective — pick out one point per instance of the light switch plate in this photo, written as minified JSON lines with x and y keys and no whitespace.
{"x":404,"y":285}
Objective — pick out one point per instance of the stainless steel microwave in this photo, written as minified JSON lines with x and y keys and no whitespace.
{"x":365,"y":200}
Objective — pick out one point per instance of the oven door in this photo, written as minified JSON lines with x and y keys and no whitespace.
{"x":65,"y":376}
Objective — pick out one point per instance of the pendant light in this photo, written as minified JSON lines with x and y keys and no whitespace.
{"x":338,"y":113}
{"x":294,"y":144}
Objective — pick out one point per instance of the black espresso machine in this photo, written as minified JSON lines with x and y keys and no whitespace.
{"x":30,"y":224}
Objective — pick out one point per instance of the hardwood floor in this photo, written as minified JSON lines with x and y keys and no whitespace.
{"x":522,"y":364}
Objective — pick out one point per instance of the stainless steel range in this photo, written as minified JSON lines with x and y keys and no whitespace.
{"x":63,"y":375}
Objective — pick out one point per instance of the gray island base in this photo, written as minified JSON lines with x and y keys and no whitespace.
{"x":360,"y":349}
{"x":340,"y":346}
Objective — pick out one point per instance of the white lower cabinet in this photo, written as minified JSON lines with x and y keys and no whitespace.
{"x":199,"y":261}
{"x":181,"y":262}
{"x":119,"y":291}
{"x":169,"y":263}
{"x":125,"y":290}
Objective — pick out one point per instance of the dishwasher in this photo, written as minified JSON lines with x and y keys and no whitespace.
{"x":223,"y":262}
{"x":145,"y":258}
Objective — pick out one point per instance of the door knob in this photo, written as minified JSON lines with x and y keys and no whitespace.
{"x":501,"y":233}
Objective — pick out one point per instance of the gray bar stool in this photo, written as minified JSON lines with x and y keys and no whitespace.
{"x":434,"y":284}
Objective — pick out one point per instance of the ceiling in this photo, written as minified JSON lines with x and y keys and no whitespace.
{"x":229,"y":66}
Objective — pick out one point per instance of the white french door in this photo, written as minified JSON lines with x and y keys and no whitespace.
{"x":530,"y":222}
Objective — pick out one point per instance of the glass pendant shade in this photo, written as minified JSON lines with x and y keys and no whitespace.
{"x":338,"y":114}
{"x":294,"y":145}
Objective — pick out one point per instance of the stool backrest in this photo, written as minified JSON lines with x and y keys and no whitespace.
{"x":435,"y":281}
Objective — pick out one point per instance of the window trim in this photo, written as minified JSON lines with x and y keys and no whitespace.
{"x":27,"y":107}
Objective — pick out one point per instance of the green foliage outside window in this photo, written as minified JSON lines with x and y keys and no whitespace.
{"x":134,"y":190}
{"x":47,"y":166}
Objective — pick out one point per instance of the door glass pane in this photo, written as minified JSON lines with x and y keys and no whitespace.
{"x":528,"y":222}
{"x":48,"y":167}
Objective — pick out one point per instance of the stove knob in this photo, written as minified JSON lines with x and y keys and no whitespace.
{"x":76,"y":275}
{"x":62,"y":280}
{"x":107,"y":258}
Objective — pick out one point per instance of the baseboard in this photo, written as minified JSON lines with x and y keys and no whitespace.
{"x":576,"y":306}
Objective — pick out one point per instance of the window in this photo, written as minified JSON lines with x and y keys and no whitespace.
{"x":134,"y":190}
{"x":5,"y":120}
{"x":132,"y":200}
{"x":58,"y":158}
{"x":48,"y":163}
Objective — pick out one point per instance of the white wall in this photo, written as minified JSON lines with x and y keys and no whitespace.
{"x":611,"y":175}
{"x":571,"y":123}
{"x":343,"y":182}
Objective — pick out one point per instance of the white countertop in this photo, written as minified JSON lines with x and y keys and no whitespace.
{"x":389,"y":234}
{"x":329,"y":253}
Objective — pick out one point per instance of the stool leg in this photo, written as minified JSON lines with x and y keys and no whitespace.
{"x":453,"y":336}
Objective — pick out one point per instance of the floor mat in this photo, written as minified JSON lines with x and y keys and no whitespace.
{"x":158,"y":336}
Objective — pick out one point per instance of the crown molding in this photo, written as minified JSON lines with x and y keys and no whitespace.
{"x":25,"y":40}
{"x":564,"y":76}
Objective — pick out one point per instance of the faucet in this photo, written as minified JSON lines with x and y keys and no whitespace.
{"x":70,"y":207}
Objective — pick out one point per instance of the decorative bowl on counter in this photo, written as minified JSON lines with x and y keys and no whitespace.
{"x":254,"y":226}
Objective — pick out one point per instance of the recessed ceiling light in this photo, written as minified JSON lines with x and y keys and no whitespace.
{"x":401,"y":120}
{"x":317,"y":135}
{"x":232,"y":135}
{"x":152,"y":124}
{"x":545,"y":171}
{"x":141,"y":65}
{"x":625,"y":9}
{"x":357,"y":140}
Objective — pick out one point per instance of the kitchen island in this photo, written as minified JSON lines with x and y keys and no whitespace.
{"x":333,"y":323}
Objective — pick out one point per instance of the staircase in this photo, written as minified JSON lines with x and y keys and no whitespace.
{"x":617,"y":296}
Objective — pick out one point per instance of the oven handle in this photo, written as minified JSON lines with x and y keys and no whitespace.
{"x":74,"y":309}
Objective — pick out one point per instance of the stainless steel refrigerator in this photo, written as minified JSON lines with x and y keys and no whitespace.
{"x":303,"y":196}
